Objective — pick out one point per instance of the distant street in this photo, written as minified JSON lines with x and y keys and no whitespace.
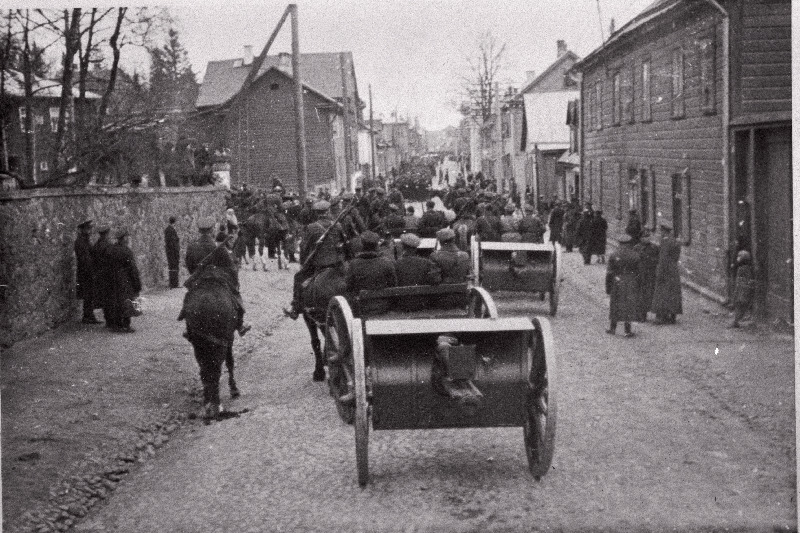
{"x":658,"y":432}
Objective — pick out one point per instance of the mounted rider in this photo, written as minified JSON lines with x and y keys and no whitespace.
{"x":321,"y":248}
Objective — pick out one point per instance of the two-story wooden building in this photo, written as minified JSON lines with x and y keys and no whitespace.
{"x":686,"y":117}
{"x":257,"y":123}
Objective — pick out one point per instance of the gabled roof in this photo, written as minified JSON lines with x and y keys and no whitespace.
{"x":652,"y":11}
{"x":223,"y":79}
{"x":544,"y":122}
{"x":549,"y":70}
{"x":42,"y":88}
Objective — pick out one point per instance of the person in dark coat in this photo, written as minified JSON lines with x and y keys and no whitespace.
{"x":369,"y":270}
{"x":584,"y":236}
{"x":531,"y":228}
{"x":394,"y":224}
{"x":202,"y":247}
{"x":431,"y":221}
{"x":622,"y":285}
{"x":598,"y":233}
{"x":413,"y":269}
{"x":488,"y":226}
{"x":411,"y":220}
{"x":327,"y":252}
{"x":84,"y":274}
{"x":453,"y":265}
{"x":667,"y":298}
{"x":556,"y":222}
{"x":634,"y":226}
{"x":172,"y":244}
{"x":571,"y":220}
{"x":744,"y":289}
{"x":125,"y":282}
{"x":648,"y":254}
{"x":102,"y":277}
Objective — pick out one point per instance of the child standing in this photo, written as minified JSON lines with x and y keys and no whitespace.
{"x":743,"y":292}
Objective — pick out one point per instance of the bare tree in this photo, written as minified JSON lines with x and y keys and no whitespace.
{"x":478,"y":83}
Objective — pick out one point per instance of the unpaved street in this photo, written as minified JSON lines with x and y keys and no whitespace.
{"x":654,"y":433}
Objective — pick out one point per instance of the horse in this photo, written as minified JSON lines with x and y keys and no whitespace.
{"x":210,"y":313}
{"x":257,"y":227}
{"x":315,"y":295}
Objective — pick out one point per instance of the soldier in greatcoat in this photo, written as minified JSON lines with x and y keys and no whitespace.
{"x":622,"y":285}
{"x":125,"y":282}
{"x":584,"y":235}
{"x":648,"y":254}
{"x":453,"y":264}
{"x":667,"y":298}
{"x":84,"y":274}
{"x":172,"y":245}
{"x":531,"y":227}
{"x":412,"y":269}
{"x":326,"y":251}
{"x":556,"y":222}
{"x":370,"y":270}
{"x":598,"y":233}
{"x":202,"y":247}
{"x":102,"y":276}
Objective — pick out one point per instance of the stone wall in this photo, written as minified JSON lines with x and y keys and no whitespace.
{"x":38,"y":231}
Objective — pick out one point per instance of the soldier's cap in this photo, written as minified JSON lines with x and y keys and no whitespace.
{"x":665,"y":224}
{"x":410,"y":240}
{"x":205,"y":223}
{"x":445,"y":235}
{"x":369,"y":237}
{"x":103,"y":228}
{"x":120,"y":233}
{"x":322,"y":205}
{"x":86,"y":223}
{"x":528,"y":208}
{"x":509,"y":209}
{"x":625,"y":239}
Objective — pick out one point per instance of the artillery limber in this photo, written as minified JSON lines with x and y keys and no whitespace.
{"x":452,"y":364}
{"x":518,"y":266}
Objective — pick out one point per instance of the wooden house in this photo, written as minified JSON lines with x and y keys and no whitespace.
{"x":686,"y":117}
{"x":258,"y":125}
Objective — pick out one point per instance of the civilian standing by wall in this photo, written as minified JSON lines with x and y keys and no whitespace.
{"x":84,"y":274}
{"x":102,"y":277}
{"x":125,"y":282}
{"x":667,"y":299}
{"x":172,"y":244}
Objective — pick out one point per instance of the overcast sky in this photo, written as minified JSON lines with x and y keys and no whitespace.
{"x":411,"y":51}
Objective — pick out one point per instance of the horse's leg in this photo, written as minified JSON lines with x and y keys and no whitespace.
{"x":262,"y":241}
{"x":231,"y":381}
{"x":210,"y":370}
{"x":319,"y":362}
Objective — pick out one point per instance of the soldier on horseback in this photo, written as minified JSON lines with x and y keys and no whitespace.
{"x":321,"y":249}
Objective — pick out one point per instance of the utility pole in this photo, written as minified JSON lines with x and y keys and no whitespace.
{"x":348,"y":148}
{"x":371,"y":137}
{"x":300,"y":125}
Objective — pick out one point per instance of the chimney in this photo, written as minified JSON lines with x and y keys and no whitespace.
{"x":561,"y":48}
{"x":285,"y":61}
{"x":530,"y":75}
{"x":247,"y":58}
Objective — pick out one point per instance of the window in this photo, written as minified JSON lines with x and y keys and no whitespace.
{"x":708,"y":93}
{"x":23,"y":113}
{"x":633,"y":188}
{"x":678,"y":104}
{"x":621,"y":179}
{"x":274,"y":87}
{"x":598,"y":104}
{"x":600,"y":184}
{"x":646,"y":115}
{"x":39,"y":120}
{"x":43,"y":166}
{"x":644,"y":197}
{"x":627,"y":96}
{"x":54,"y":119}
{"x":616,"y":97}
{"x":681,"y":226}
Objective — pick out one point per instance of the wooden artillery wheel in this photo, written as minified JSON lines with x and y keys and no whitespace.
{"x":339,"y":354}
{"x":556,"y":279}
{"x":481,"y":304}
{"x":362,"y":411}
{"x":540,"y":404}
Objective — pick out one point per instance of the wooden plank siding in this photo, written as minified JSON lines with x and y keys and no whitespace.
{"x":664,"y":145}
{"x":261,"y":132}
{"x":761,"y":59}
